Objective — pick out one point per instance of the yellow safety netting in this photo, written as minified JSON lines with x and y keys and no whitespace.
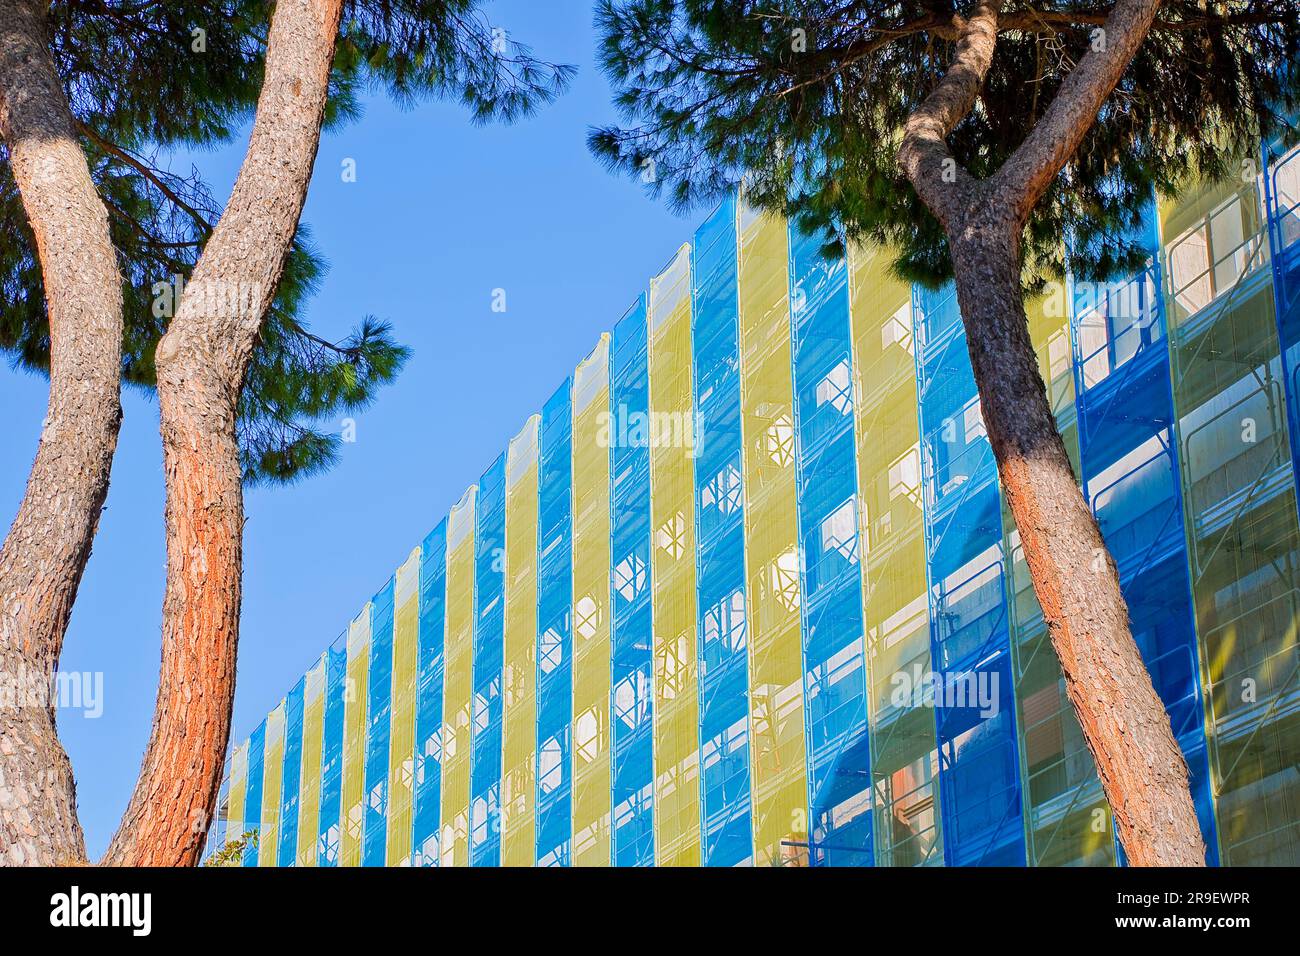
{"x":238,"y":793}
{"x":519,"y":676}
{"x":313,"y":722}
{"x":591,"y":647}
{"x":672,"y":520}
{"x":458,"y":693}
{"x":355,"y":698}
{"x":896,"y":610}
{"x":1239,"y":499}
{"x":778,"y":749}
{"x":272,"y":785}
{"x":401,"y":750}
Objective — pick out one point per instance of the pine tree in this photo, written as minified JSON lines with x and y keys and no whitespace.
{"x":1000,"y":143}
{"x":94,"y":94}
{"x":159,"y":220}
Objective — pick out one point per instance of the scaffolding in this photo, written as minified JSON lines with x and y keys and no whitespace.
{"x":287,"y":846}
{"x":427,"y":796}
{"x":216,"y":838}
{"x":1067,"y":819}
{"x":458,"y":686}
{"x":631,"y":658}
{"x":519,"y":673}
{"x":401,"y":752}
{"x":489,"y":633}
{"x":778,"y":750}
{"x":710,"y":605}
{"x":356,"y":697}
{"x":329,"y":837}
{"x":672,"y":561}
{"x":1130,"y":478}
{"x":379,"y":716}
{"x":834,"y":661}
{"x":554,"y":632}
{"x":1282,"y":197}
{"x":1239,"y":499}
{"x":723,"y":677}
{"x":979,"y":778}
{"x":904,"y":759}
{"x":313,"y":736}
{"x":237,"y":793}
{"x":591,"y":587}
{"x":252,"y":822}
{"x":272,"y":785}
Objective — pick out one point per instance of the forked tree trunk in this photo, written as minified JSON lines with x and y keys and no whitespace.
{"x":202,"y":361}
{"x":1124,"y":723}
{"x":47,"y":547}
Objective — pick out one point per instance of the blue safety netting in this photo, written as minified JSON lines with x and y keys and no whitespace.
{"x":554,"y":631}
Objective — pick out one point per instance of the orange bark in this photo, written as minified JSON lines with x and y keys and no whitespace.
{"x":202,"y":361}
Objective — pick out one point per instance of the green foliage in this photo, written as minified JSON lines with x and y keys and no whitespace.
{"x":138,"y":88}
{"x":713,"y":92}
{"x":232,"y":854}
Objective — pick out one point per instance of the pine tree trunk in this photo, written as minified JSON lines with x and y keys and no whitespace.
{"x":202,"y":361}
{"x":46,"y":550}
{"x":171,"y":809}
{"x":1127,"y":730}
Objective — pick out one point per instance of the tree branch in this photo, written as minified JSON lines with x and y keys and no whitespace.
{"x":148,"y":173}
{"x":923,"y":155}
{"x":1054,"y":138}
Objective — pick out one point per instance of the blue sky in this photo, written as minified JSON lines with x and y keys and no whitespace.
{"x":442,"y":213}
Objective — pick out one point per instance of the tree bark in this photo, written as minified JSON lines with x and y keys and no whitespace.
{"x":1126,"y":727}
{"x":202,"y":362}
{"x":46,"y":550}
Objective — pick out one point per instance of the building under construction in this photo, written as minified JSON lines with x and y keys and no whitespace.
{"x":706,"y":607}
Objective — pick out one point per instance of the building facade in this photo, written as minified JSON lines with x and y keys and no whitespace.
{"x":746,"y":591}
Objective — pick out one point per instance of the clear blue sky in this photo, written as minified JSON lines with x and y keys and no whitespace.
{"x":442,"y":213}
